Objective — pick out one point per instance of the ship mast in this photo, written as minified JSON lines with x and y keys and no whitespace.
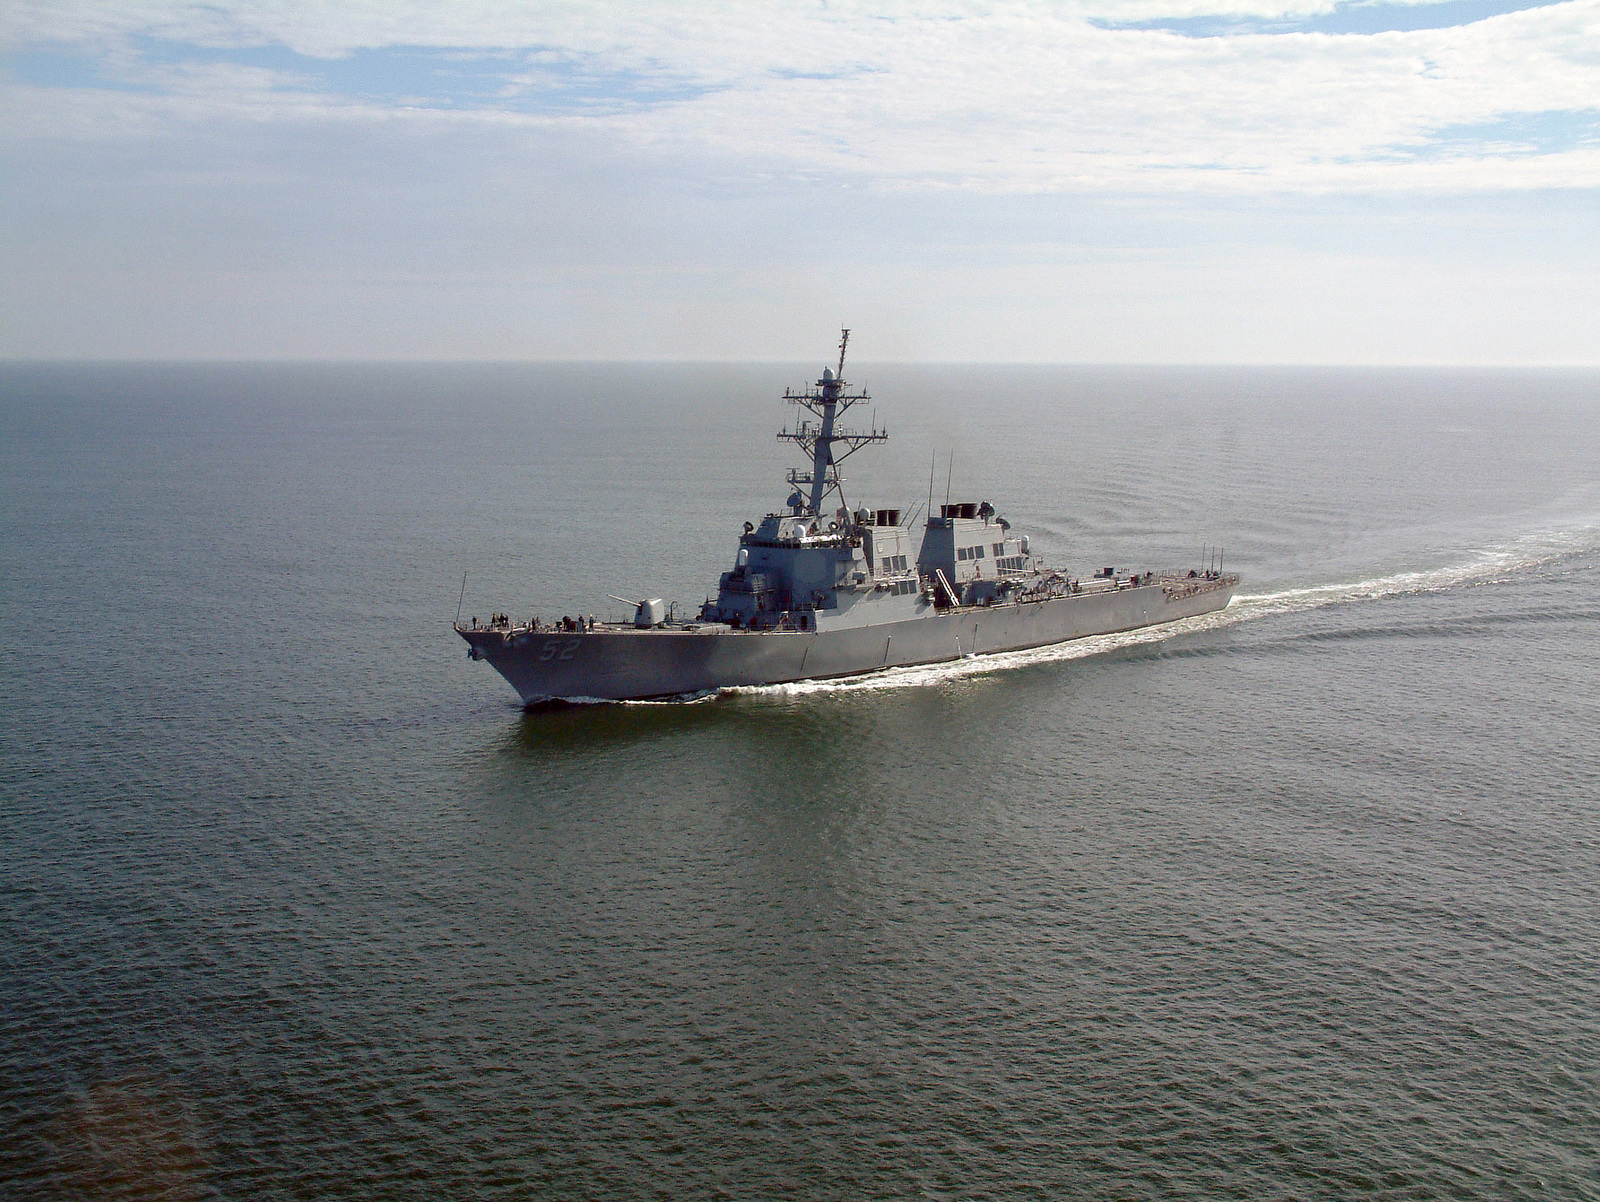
{"x":826,"y":401}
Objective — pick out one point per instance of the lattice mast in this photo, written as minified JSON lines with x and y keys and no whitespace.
{"x":826,"y":401}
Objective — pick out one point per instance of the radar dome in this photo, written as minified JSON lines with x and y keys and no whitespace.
{"x":827,"y":373}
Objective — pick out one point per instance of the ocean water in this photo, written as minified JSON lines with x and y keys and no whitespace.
{"x":1299,"y":900}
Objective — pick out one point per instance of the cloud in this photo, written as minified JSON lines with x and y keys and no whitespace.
{"x":1083,"y":180}
{"x":995,"y":97}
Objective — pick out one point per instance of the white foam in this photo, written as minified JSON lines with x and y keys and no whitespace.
{"x":684,"y":699}
{"x":1479,"y":566}
{"x":681,"y":699}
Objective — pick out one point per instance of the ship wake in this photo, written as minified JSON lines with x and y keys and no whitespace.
{"x":1487,"y":565}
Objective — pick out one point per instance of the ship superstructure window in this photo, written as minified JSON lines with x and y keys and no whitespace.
{"x":969,"y":553}
{"x":892,"y":563}
{"x":999,"y":550}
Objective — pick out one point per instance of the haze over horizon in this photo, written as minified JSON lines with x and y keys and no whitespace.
{"x":1096,"y":181}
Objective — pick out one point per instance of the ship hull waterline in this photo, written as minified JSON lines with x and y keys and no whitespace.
{"x":616,"y":663}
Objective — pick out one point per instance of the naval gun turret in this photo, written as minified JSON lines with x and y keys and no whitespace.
{"x":648,"y":613}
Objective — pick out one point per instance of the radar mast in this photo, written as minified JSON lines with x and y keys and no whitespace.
{"x":819,"y":437}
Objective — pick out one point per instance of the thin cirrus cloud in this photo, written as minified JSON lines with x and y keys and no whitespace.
{"x":1361,"y":18}
{"x":1079,"y":180}
{"x":1241,"y":96}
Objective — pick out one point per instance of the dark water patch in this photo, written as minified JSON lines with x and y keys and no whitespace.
{"x":1485,"y":625}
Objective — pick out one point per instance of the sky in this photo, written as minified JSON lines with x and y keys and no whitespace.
{"x":1081,"y":181}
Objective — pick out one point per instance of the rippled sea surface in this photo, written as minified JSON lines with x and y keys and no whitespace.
{"x":1298,"y":900}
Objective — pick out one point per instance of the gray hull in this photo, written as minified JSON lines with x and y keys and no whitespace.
{"x":621,"y":663}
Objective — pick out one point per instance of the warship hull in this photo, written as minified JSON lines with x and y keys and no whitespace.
{"x":619,"y":663}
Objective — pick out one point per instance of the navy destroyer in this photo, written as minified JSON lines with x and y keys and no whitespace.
{"x":818,"y":592}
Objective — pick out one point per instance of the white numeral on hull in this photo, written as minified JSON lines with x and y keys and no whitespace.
{"x":557,"y":649}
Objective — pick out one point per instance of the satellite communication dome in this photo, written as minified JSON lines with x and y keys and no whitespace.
{"x":827,"y":373}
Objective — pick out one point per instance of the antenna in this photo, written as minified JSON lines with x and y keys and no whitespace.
{"x":933,"y":459}
{"x":948,"y":475}
{"x":826,"y":444}
{"x":460,"y":601}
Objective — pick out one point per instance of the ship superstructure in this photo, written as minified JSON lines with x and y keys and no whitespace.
{"x":821,"y":590}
